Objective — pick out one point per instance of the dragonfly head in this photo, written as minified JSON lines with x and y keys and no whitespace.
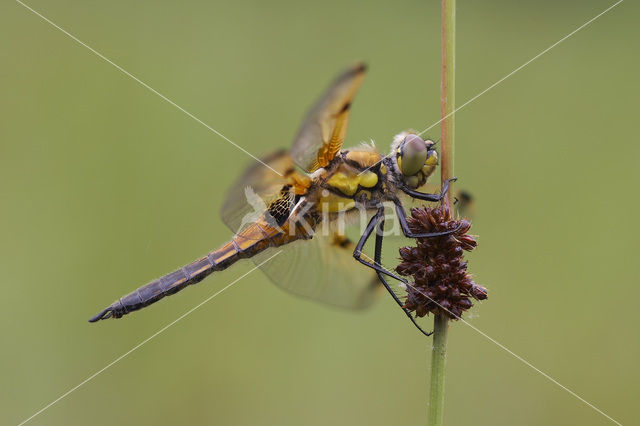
{"x":416,"y":158}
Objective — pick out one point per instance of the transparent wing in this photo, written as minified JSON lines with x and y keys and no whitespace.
{"x":322,"y":269}
{"x":325,"y":127}
{"x":249,"y":195}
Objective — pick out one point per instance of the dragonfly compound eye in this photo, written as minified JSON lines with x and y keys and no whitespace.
{"x":413,"y":155}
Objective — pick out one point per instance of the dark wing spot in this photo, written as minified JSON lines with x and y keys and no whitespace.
{"x":280,"y":209}
{"x":361,"y":67}
{"x":465,"y":196}
{"x":341,"y":241}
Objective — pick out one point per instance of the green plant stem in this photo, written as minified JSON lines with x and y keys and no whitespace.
{"x":447,"y":92}
{"x":447,"y":127}
{"x":438,"y":360}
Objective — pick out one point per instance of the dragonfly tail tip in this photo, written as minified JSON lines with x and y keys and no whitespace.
{"x":104,"y":314}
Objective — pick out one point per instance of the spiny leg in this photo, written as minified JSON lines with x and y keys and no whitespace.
{"x":402,"y":218}
{"x":428,"y":197}
{"x":357,"y":252}
{"x":377,"y":259}
{"x":377,"y":223}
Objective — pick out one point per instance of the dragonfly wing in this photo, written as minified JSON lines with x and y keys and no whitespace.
{"x":322,"y":269}
{"x":249,"y":196}
{"x":325,"y":127}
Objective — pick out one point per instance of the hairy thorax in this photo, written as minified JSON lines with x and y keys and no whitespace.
{"x":354,"y":179}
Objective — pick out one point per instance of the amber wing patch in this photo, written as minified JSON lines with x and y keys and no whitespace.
{"x":324,"y":129}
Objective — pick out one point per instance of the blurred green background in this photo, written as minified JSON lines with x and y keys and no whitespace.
{"x":104,"y":186}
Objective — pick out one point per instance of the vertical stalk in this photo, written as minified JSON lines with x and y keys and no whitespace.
{"x":447,"y":92}
{"x":447,"y":106}
{"x":438,"y":359}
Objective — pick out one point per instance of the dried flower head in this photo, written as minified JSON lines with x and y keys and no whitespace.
{"x":441,"y":283}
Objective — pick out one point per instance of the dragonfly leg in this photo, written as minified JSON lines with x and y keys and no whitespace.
{"x":357,"y":252}
{"x":402,"y":218}
{"x":429,"y":197}
{"x":377,"y":258}
{"x":377,"y":224}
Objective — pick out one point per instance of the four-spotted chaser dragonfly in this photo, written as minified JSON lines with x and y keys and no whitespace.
{"x":297,"y":201}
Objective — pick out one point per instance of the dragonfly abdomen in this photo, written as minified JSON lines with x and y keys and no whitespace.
{"x":247,"y":244}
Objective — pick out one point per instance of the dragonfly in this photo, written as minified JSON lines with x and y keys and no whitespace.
{"x":317,"y":184}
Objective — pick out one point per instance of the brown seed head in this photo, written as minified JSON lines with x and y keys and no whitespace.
{"x":441,"y":283}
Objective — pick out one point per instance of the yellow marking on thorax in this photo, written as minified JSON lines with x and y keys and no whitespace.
{"x":332,"y":203}
{"x":348,"y":179}
{"x":364,"y":193}
{"x":348,"y":184}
